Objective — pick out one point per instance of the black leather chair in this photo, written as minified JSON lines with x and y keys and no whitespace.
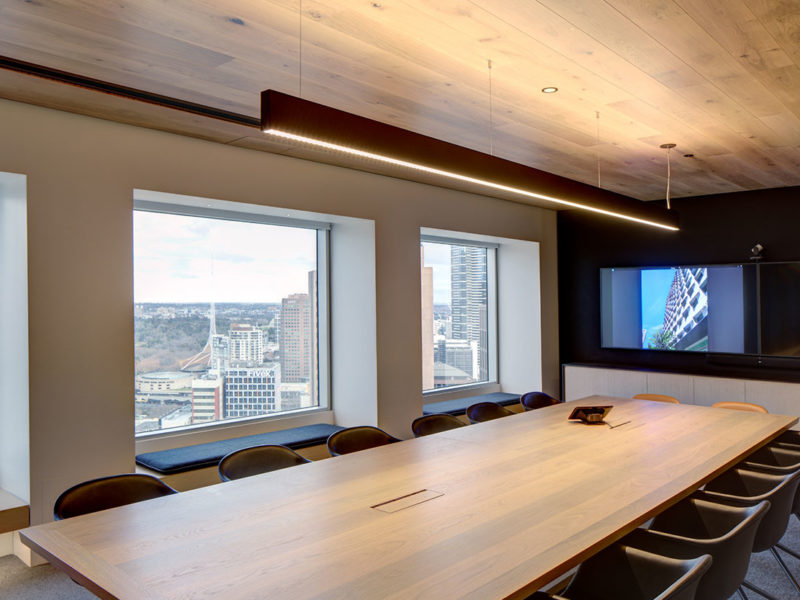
{"x":354,"y":439}
{"x":622,"y":572}
{"x":694,"y":527}
{"x":428,"y":424}
{"x":257,"y":460}
{"x":109,"y":492}
{"x":741,"y":487}
{"x":486,"y":411}
{"x":534,"y":400}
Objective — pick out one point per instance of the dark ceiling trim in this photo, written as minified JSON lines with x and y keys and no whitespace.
{"x":366,"y":144}
{"x":129,"y":93}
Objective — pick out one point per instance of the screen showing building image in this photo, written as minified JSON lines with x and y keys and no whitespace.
{"x":675,"y":309}
{"x":225,"y":319}
{"x":693,"y":309}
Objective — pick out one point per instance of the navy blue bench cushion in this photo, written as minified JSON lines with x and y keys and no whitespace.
{"x":460,"y":405}
{"x":178,"y":460}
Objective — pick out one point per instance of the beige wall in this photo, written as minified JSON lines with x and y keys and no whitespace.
{"x":81,"y":173}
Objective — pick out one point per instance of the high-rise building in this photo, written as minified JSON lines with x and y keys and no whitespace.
{"x":246,"y":345}
{"x":296,"y":338}
{"x":250,"y":392}
{"x":220,"y":352}
{"x":427,"y":322}
{"x":207,"y":397}
{"x":469,"y":298}
{"x":686,"y":310}
{"x":461,"y":354}
{"x":313,"y":317}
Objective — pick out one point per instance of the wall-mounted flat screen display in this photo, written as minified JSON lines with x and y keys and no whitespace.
{"x":710,"y":308}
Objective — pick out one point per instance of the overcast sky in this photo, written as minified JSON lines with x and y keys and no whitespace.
{"x":438,"y":257}
{"x":194,"y":259}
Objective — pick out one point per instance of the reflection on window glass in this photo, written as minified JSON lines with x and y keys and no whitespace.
{"x":455,"y":336}
{"x":225,"y":319}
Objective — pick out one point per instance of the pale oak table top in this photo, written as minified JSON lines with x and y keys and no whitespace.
{"x":523,"y":499}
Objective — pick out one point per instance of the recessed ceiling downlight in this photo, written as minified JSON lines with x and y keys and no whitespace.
{"x":549,"y":90}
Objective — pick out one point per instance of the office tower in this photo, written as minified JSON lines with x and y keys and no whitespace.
{"x":313,"y":354}
{"x":250,"y":392}
{"x":207,"y":397}
{"x":427,"y":322}
{"x":483,"y":343}
{"x":293,"y":396}
{"x":295,"y":338}
{"x":246,"y":345}
{"x":220,"y":352}
{"x":469,"y":293}
{"x":461,"y":354}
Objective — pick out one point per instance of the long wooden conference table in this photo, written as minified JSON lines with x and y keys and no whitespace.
{"x":494,"y":510}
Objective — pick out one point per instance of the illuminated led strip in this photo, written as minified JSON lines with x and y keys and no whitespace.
{"x":451,"y":175}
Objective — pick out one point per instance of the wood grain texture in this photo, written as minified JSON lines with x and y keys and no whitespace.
{"x":14,"y":513}
{"x":720,"y":78}
{"x":524,"y":499}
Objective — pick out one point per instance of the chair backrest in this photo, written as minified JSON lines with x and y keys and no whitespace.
{"x":428,"y":424}
{"x":486,"y":411}
{"x":623,"y":572}
{"x":773,"y":459}
{"x":694,"y":527}
{"x":354,"y":439}
{"x":743,"y":487}
{"x":534,"y":400}
{"x":109,"y":492}
{"x":657,"y":398}
{"x":744,"y":406}
{"x":256,"y":460}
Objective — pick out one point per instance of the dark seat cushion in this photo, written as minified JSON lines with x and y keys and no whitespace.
{"x":460,"y":405}
{"x":177,"y":460}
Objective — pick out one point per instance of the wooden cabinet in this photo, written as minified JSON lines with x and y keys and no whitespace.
{"x":777,"y":397}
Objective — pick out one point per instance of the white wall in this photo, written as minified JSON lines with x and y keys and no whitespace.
{"x":14,"y":444}
{"x":81,"y":173}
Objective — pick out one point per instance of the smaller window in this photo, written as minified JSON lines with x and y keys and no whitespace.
{"x":459,"y":320}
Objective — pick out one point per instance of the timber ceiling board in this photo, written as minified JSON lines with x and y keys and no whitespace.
{"x":720,"y":78}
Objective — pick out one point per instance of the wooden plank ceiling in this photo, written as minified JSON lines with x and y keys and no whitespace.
{"x":719,"y":78}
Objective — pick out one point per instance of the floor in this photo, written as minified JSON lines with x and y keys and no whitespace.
{"x":18,"y":582}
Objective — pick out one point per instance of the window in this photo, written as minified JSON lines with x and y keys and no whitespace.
{"x":458,"y":313}
{"x":229,"y":311}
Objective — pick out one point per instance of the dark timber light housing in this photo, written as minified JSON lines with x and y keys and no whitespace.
{"x":369,"y":145}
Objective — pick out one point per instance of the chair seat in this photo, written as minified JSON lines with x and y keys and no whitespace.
{"x":257,"y":460}
{"x":486,"y":411}
{"x":694,"y":527}
{"x":430,"y":424}
{"x":657,"y":398}
{"x":109,"y":492}
{"x":355,"y":439}
{"x":622,"y":572}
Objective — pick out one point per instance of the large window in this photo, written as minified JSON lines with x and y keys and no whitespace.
{"x":458,"y":313}
{"x":226,"y":316}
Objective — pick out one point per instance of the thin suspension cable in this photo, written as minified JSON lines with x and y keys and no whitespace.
{"x":300,"y":51}
{"x":597,"y":147}
{"x":669,"y":176}
{"x":491,"y":111}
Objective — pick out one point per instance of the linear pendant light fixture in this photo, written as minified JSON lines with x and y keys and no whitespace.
{"x":369,"y":145}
